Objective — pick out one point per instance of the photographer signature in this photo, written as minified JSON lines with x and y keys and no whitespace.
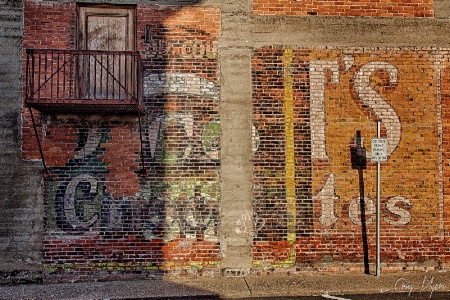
{"x":428,"y":285}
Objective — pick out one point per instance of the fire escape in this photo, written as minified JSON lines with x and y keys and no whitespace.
{"x":84,"y":82}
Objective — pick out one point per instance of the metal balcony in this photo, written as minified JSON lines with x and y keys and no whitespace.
{"x":84,"y":81}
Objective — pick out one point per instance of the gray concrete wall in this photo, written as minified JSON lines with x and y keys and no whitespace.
{"x":21,"y":208}
{"x":441,"y":9}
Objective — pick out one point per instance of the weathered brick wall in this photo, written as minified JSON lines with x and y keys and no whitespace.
{"x":277,"y":175}
{"x":47,"y":25}
{"x":377,"y":8}
{"x":315,"y":113}
{"x":181,"y":87}
{"x":444,"y":78}
{"x":102,"y":218}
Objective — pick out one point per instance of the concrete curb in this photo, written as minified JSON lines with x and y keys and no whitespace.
{"x":281,"y":285}
{"x":316,"y":285}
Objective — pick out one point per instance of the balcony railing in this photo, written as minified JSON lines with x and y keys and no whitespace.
{"x":84,"y":81}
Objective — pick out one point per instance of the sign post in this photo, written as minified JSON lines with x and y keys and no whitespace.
{"x":378,"y":155}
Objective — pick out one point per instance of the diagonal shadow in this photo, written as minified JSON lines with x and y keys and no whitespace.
{"x":359,"y":162}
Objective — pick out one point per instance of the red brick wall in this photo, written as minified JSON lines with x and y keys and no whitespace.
{"x":46,"y":26}
{"x":377,"y":8}
{"x":102,"y":218}
{"x":49,"y":25}
{"x":181,"y":78}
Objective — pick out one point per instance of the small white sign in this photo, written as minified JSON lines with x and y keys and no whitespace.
{"x":379,"y":150}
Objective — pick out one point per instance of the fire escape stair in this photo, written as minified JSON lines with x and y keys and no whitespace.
{"x":84,"y":82}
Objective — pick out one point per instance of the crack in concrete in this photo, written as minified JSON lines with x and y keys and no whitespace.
{"x":248,"y":287}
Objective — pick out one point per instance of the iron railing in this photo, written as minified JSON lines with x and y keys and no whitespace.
{"x":84,"y":81}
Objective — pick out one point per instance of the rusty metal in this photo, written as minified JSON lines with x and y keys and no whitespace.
{"x":84,"y":81}
{"x":41,"y":152}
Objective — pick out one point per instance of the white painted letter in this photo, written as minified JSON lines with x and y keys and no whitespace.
{"x":317,"y":105}
{"x":403,"y":215}
{"x":327,"y":198}
{"x":380,"y":107}
{"x":69,"y":201}
{"x":354,"y":210}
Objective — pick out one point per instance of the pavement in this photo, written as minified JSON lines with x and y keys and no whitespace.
{"x":252,"y":286}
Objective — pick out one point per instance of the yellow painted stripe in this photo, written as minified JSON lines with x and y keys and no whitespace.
{"x":290,"y":154}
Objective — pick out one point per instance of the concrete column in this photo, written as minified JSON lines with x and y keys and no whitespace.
{"x":236,"y":162}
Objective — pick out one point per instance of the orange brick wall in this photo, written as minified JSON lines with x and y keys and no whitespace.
{"x":377,"y":8}
{"x":334,"y":97}
{"x":445,"y":115}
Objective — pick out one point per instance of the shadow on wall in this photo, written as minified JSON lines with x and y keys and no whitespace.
{"x":359,"y":162}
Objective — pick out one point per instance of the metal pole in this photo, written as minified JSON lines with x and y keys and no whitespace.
{"x":378,"y":262}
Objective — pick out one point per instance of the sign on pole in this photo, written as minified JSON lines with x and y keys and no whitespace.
{"x":378,"y":155}
{"x":379,"y":150}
